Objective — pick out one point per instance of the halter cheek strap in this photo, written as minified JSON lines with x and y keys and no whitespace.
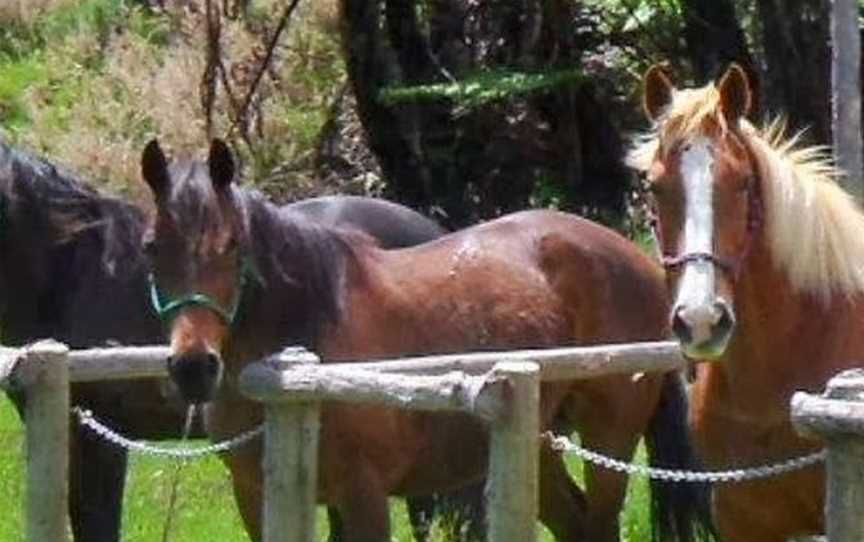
{"x":167,"y":309}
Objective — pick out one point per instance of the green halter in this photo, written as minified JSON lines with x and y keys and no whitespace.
{"x":167,"y":308}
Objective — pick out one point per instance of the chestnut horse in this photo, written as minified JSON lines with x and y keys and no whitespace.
{"x":71,"y":267}
{"x":766,"y":254}
{"x":237,"y":280}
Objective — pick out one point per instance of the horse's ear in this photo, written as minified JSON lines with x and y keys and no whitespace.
{"x":735,"y":95}
{"x":154,"y":168}
{"x":658,"y":91}
{"x":221,"y":164}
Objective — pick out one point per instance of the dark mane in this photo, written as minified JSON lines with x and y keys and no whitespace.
{"x":74,"y":211}
{"x":305,"y":261}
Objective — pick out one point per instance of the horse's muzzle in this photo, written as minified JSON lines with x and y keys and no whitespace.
{"x":196,"y":375}
{"x":703,"y":330}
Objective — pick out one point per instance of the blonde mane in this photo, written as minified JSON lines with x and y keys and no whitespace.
{"x":814,"y":230}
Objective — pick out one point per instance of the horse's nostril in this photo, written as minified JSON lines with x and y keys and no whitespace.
{"x":726,"y":321}
{"x":212,"y":364}
{"x":680,"y":328}
{"x":196,"y":375}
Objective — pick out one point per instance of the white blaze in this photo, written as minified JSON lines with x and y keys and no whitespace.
{"x":696,"y":300}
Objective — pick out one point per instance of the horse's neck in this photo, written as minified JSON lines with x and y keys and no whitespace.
{"x":29,"y":301}
{"x":285,"y":307}
{"x":774,"y":350}
{"x":66,"y":291}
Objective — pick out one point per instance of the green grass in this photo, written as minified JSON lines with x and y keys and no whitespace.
{"x":205,"y":508}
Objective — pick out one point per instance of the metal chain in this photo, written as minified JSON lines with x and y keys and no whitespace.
{"x":559,"y":443}
{"x":564,"y":444}
{"x":87,"y":420}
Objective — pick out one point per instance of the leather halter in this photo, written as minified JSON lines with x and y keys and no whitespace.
{"x":167,"y":308}
{"x":731,"y":267}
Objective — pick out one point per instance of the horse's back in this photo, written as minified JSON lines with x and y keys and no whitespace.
{"x":530,"y":279}
{"x":391,"y":224}
{"x":571,"y":253}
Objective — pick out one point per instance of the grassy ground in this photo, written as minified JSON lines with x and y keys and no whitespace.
{"x":206,"y":508}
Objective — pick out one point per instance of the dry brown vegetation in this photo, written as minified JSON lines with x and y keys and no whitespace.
{"x":105,"y":94}
{"x":27,"y":11}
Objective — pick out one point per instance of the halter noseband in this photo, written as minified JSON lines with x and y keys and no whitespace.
{"x":167,"y":309}
{"x":676,"y":262}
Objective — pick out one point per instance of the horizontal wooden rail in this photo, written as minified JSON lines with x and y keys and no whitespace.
{"x":118,"y":363}
{"x":305,"y":383}
{"x":566,"y":363}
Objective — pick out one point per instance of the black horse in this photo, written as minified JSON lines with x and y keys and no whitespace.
{"x":71,"y":268}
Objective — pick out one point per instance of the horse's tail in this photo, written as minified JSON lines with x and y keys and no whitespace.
{"x":680,"y":511}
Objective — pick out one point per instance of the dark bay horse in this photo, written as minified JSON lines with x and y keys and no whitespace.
{"x":71,"y":267}
{"x":244,"y":279}
{"x":766,"y":256}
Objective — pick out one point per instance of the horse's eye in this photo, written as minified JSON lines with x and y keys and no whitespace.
{"x":149,"y":247}
{"x":230,"y":246}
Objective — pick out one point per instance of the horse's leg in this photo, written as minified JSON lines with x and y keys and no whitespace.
{"x":613,"y":420}
{"x":772,"y":510}
{"x":97,"y":477}
{"x":736,"y":521}
{"x":362,"y":503}
{"x":562,"y":503}
{"x":606,"y":489}
{"x":248,"y":483}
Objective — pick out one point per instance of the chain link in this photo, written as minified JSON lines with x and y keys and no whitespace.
{"x":559,"y":443}
{"x":87,"y":420}
{"x":564,"y":444}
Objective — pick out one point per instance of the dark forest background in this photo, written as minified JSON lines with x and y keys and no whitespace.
{"x":464,"y":109}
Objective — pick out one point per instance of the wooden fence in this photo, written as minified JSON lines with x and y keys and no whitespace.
{"x":837,"y":417}
{"x":500,"y":387}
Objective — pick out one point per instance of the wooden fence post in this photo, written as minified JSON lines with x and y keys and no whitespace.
{"x":512,"y":487}
{"x":44,"y":376}
{"x":291,"y":461}
{"x":846,"y":93}
{"x":837,"y":416}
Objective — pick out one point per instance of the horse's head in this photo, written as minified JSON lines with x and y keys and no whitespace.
{"x":198,"y":268}
{"x":706,"y":198}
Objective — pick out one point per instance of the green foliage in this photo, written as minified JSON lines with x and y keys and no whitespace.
{"x":97,"y":17}
{"x":482,"y":88}
{"x":549,"y":193}
{"x":57,"y":55}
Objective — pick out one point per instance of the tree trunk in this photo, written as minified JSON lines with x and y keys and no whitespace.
{"x":558,"y":145}
{"x":797,"y":64}
{"x":714,"y":40}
